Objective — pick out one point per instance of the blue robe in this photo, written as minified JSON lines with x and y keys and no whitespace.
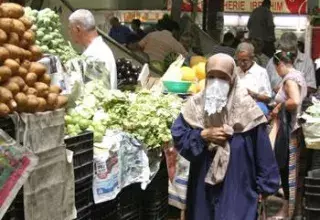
{"x":252,"y":171}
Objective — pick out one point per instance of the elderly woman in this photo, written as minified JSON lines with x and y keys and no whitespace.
{"x":293,"y":89}
{"x":222,"y":132}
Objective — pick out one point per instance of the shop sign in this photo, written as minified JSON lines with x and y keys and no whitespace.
{"x":277,"y":6}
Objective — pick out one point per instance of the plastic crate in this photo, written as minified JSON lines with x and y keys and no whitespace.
{"x":130,"y":203}
{"x":313,"y":178}
{"x":85,"y":213}
{"x":8,"y":126}
{"x":85,"y":179}
{"x":312,"y":214}
{"x":83,"y":170}
{"x":312,"y":200}
{"x":82,"y":147}
{"x":107,"y":210}
{"x":155,"y":198}
{"x":312,"y":189}
{"x":315,"y":160}
{"x":83,"y":195}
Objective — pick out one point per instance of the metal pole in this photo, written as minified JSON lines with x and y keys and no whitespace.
{"x":215,"y":18}
{"x":204,"y":14}
{"x":176,"y":10}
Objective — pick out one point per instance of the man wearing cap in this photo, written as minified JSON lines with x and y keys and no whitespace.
{"x":222,"y":132}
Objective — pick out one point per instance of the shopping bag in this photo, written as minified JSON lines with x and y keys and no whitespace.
{"x":311,"y":132}
{"x":16,"y":164}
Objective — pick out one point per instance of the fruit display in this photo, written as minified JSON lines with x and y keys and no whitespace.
{"x":24,"y":84}
{"x":127,"y":72}
{"x":49,"y":35}
{"x":195,"y":74}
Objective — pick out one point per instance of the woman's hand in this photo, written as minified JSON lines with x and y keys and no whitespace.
{"x":215,"y":135}
{"x":275,"y":111}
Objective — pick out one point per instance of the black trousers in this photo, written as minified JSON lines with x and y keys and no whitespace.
{"x":284,"y":173}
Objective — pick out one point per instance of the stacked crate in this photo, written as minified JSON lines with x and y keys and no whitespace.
{"x":312,"y":195}
{"x":82,"y":147}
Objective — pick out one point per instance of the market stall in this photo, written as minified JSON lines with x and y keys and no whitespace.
{"x":99,"y":152}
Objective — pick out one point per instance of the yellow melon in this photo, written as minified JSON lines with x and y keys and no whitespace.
{"x":200,"y":70}
{"x":188,"y":74}
{"x":201,"y":85}
{"x":197,"y":59}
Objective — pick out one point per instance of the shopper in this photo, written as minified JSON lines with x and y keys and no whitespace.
{"x":83,"y":32}
{"x":252,"y":76}
{"x":259,"y":56}
{"x":119,"y":32}
{"x":137,"y":34}
{"x":226,"y":45}
{"x":160,"y":43}
{"x":289,"y":43}
{"x":222,"y":132}
{"x":261,"y":25}
{"x":293,"y":90}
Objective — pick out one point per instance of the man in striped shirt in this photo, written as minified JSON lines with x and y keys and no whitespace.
{"x":225,"y":46}
{"x":289,"y":43}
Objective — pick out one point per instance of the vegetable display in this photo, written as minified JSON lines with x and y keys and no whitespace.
{"x":24,"y":84}
{"x":147,"y":116}
{"x":48,"y":33}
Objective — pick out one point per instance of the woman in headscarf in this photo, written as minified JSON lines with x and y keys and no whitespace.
{"x":222,"y":132}
{"x":293,"y":90}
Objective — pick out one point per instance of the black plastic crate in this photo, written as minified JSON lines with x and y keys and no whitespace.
{"x":312,"y":214}
{"x":8,"y":126}
{"x":83,"y":171}
{"x":85,"y":179}
{"x":312,"y":189}
{"x":313,"y":178}
{"x":315,"y":160}
{"x":85,"y":213}
{"x":130,"y":202}
{"x":83,"y":195}
{"x":82,"y":147}
{"x":107,"y":210}
{"x":312,"y":200}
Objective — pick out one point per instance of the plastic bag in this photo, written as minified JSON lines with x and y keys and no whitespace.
{"x":174,"y":73}
{"x":16,"y":164}
{"x":119,"y":161}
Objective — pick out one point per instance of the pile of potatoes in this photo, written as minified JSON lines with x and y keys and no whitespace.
{"x":24,"y":84}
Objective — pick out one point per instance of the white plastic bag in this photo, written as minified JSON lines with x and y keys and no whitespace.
{"x":311,"y":131}
{"x":174,"y":73}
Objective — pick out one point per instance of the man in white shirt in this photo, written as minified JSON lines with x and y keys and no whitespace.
{"x":83,"y":32}
{"x":252,"y":76}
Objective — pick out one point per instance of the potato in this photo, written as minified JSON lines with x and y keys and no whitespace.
{"x":62,"y":101}
{"x":46,"y":79}
{"x":5,"y":73}
{"x":21,"y":99}
{"x":26,"y":21}
{"x":29,"y":36}
{"x":32,"y":103}
{"x":25,"y":88}
{"x":43,"y":89}
{"x":54,"y":89}
{"x":12,"y":86}
{"x":42,"y":106}
{"x":3,"y":37}
{"x":4,"y":54}
{"x":22,"y":72}
{"x":6,"y":24}
{"x":24,"y":44}
{"x":32,"y":91}
{"x":4,"y":110}
{"x":26,"y":64}
{"x":19,"y":81}
{"x":52,"y":101}
{"x":31,"y":79}
{"x":18,"y":27}
{"x":12,"y":105}
{"x":13,"y":65}
{"x":11,"y":10}
{"x":14,"y":38}
{"x":15,"y":52}
{"x":5,"y":95}
{"x":38,"y":68}
{"x":27,"y":54}
{"x":36,"y":52}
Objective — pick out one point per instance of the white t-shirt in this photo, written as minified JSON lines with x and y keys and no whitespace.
{"x":256,"y":79}
{"x":99,"y":50}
